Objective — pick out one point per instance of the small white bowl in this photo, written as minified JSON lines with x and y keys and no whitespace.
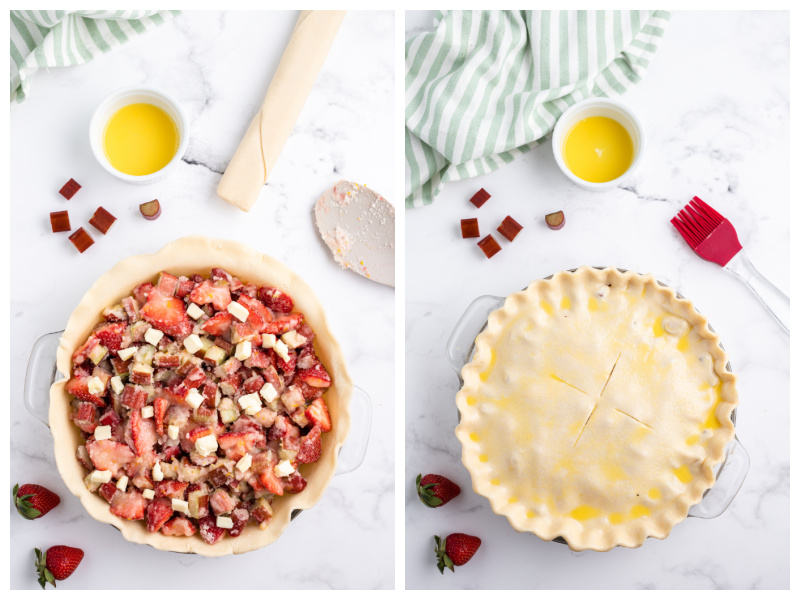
{"x":132,"y":95}
{"x":598,"y":107}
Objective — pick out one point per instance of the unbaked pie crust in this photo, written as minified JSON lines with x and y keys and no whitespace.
{"x":186,"y":256}
{"x":595,"y":408}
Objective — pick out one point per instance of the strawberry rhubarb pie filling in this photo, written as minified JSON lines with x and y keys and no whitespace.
{"x":199,"y":400}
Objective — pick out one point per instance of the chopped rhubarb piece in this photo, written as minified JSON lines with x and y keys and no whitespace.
{"x":167,"y":283}
{"x":59,"y":221}
{"x":295,"y":483}
{"x":81,"y":240}
{"x":489,"y":246}
{"x":240,"y":517}
{"x":509,"y":228}
{"x":555,"y":221}
{"x":469,"y":228}
{"x":178,"y":526}
{"x":480,"y":197}
{"x":102,"y":220}
{"x":150,"y":210}
{"x":209,"y":531}
{"x":310,"y":446}
{"x":70,"y":189}
{"x":134,"y":397}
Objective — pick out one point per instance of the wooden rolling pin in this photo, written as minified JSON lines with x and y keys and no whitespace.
{"x":300,"y":64}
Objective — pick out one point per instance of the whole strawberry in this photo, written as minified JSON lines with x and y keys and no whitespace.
{"x":456,"y":550}
{"x":57,"y":563}
{"x":435,"y":490}
{"x":34,"y":501}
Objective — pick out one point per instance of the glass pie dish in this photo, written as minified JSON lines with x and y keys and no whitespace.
{"x":52,"y":354}
{"x":524,"y":452}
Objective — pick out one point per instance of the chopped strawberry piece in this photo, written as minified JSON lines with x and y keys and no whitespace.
{"x":167,"y":314}
{"x":284,"y":324}
{"x":240,"y":516}
{"x":82,"y":454}
{"x":309,"y":391}
{"x":242,"y":332}
{"x":129,"y":505}
{"x":317,"y":413}
{"x":209,"y":531}
{"x":310,"y":446}
{"x":170,"y":452}
{"x":143,"y":432}
{"x":85,"y":417}
{"x":185,"y":287}
{"x":131,"y":307}
{"x":276,"y":300}
{"x":142,"y":292}
{"x":167,"y":284}
{"x":134,"y":396}
{"x":107,"y":490}
{"x":258,"y":359}
{"x":179,"y":526}
{"x":219,"y":324}
{"x":221,"y":502}
{"x":111,"y":336}
{"x":79,"y":387}
{"x":198,"y":432}
{"x":219,"y":274}
{"x":83,"y":370}
{"x":159,"y":511}
{"x":316,"y":376}
{"x":217,"y":293}
{"x":286,"y":366}
{"x":280,"y":429}
{"x":253,"y":385}
{"x":82,"y":353}
{"x":295,"y":483}
{"x":236,"y":444}
{"x":169,"y":488}
{"x":271,"y":481}
{"x":259,"y":315}
{"x":108,"y":455}
{"x":305,"y":330}
{"x":160,"y":406}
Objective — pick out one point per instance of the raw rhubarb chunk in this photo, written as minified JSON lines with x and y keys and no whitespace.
{"x":70,"y":189}
{"x":489,"y":246}
{"x":555,"y":221}
{"x":102,"y":220}
{"x":480,"y":197}
{"x":150,"y":210}
{"x":469,"y":228}
{"x":81,"y":240}
{"x":59,"y":221}
{"x":509,"y":228}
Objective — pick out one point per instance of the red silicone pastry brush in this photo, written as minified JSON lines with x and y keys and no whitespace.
{"x":713,"y":238}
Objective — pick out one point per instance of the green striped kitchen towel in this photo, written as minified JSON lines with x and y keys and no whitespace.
{"x":484,"y":87}
{"x":61,"y":38}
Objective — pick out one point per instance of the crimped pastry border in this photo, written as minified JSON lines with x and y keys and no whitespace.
{"x":197,"y":254}
{"x":631,"y":534}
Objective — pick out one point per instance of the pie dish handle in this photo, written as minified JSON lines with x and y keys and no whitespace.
{"x":729,"y":480}
{"x":40,"y":375}
{"x":459,"y":346}
{"x":352,"y":453}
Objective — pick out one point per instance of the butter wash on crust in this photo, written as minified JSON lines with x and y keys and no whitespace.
{"x":185,"y":256}
{"x":595,"y":408}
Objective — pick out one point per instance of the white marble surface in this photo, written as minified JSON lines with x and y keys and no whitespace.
{"x":218,"y":64}
{"x":715,"y":106}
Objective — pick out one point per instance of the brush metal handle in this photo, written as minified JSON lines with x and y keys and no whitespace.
{"x":774,"y":299}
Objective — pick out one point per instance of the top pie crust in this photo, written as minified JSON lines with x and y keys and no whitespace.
{"x":595,"y":408}
{"x":196,"y":254}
